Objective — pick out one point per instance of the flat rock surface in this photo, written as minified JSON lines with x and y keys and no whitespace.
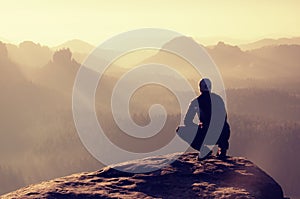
{"x":186,"y":177}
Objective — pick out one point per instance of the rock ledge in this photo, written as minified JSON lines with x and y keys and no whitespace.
{"x":185,"y":178}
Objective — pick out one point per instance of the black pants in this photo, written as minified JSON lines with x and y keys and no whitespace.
{"x":223,"y":141}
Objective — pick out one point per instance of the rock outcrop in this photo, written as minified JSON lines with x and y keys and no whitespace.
{"x":185,"y":178}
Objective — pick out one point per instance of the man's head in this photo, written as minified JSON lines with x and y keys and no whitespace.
{"x":205,"y":85}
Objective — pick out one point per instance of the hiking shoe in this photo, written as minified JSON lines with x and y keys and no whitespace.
{"x":222,"y":156}
{"x":205,"y":157}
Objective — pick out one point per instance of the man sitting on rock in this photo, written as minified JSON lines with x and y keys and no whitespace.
{"x":202,"y":106}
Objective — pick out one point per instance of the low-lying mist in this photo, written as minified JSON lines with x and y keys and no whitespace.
{"x":38,"y":138}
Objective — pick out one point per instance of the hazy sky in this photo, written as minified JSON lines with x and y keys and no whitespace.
{"x":56,"y":21}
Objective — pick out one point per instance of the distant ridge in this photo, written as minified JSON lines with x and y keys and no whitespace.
{"x":80,"y":46}
{"x":76,"y":45}
{"x":269,"y":42}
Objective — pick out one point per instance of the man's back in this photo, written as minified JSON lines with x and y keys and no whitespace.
{"x":202,"y":106}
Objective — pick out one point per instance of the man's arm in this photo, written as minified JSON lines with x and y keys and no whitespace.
{"x":190,"y":115}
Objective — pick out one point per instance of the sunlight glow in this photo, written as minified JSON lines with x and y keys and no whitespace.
{"x":54,"y":22}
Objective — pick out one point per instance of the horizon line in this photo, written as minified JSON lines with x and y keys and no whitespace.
{"x":212,"y":43}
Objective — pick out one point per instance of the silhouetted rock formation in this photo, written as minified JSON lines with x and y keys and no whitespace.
{"x":62,"y":56}
{"x":185,"y":178}
{"x":59,"y":74}
{"x":3,"y":51}
{"x":9,"y":71}
{"x":29,"y":54}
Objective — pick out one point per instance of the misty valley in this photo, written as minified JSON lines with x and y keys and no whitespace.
{"x":38,"y":138}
